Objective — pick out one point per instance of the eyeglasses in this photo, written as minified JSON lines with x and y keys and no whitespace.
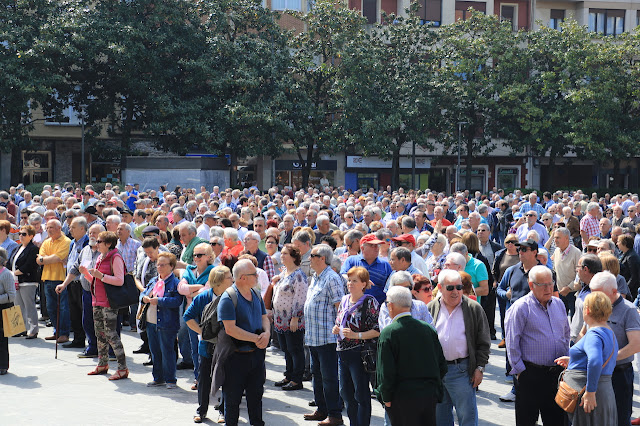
{"x":543,"y":284}
{"x":255,"y":274}
{"x":427,"y":289}
{"x":529,"y":215}
{"x":199,"y":255}
{"x":214,"y":244}
{"x":99,"y":241}
{"x":523,"y":249}
{"x":452,"y":287}
{"x":592,"y":250}
{"x":316,"y":255}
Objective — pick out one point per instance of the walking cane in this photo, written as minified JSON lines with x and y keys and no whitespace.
{"x":57,"y":333}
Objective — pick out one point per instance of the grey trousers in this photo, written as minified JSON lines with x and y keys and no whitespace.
{"x":26,"y":299}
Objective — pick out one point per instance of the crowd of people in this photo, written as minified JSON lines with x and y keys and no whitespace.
{"x":390,"y":292}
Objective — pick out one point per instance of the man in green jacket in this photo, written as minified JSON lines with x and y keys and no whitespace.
{"x":410,"y":365}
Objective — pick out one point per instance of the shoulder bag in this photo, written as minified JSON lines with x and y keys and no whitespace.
{"x":122,"y":296}
{"x":567,"y":397}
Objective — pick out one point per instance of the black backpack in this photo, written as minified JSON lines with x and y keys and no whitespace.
{"x":209,"y":320}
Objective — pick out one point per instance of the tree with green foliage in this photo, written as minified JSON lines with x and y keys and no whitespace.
{"x":605,"y":117}
{"x":309,"y":105}
{"x":478,"y":60}
{"x":536,"y":113}
{"x":387,"y":94}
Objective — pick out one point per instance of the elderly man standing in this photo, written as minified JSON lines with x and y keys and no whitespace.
{"x":248,"y":324}
{"x":52,"y":257}
{"x":532,"y":225}
{"x":188,"y":236}
{"x":78,"y":231}
{"x":251,"y":241}
{"x":565,"y":259}
{"x":625,"y":324}
{"x":379,"y":270}
{"x":411,"y":365}
{"x":463,"y":332}
{"x":537,"y":332}
{"x":320,"y":310}
{"x":589,"y":225}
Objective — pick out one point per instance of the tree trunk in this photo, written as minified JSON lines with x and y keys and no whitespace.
{"x":306,"y":166}
{"x":549,"y":178}
{"x":617,"y":182}
{"x":395,"y":168}
{"x":469,"y":157}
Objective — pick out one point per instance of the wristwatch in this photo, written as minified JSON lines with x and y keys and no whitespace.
{"x":481,"y":368}
{"x":360,"y":336}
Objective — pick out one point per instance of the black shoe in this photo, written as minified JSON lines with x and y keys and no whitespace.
{"x":74,"y":344}
{"x":144,"y":349}
{"x":125,"y":323}
{"x":493,"y":337}
{"x":184,"y":366}
{"x":306,"y":377}
{"x":281,"y":383}
{"x":3,"y":372}
{"x":291,"y":387}
{"x":23,"y":334}
{"x":86,"y":354}
{"x":148,"y":363}
{"x":48,"y":324}
{"x":313,"y":403}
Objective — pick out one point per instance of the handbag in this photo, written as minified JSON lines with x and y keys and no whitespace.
{"x":142,"y":316}
{"x":12,"y":322}
{"x":369,"y":352}
{"x":567,"y":397}
{"x":122,"y":296}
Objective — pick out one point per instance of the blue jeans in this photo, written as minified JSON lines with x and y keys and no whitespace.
{"x":193,"y":341}
{"x":87,"y":322}
{"x":184,"y":342}
{"x":354,"y":387}
{"x":162,"y":353}
{"x":324,"y":365}
{"x":622,"y":381}
{"x":244,"y":371}
{"x":52,"y":307}
{"x":457,"y":393}
{"x":292,"y":344}
{"x":570,"y":303}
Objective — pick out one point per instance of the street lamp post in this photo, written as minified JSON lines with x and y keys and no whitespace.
{"x":460,"y":123}
{"x":82,"y":165}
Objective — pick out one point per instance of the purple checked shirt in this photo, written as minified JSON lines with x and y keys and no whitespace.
{"x":536,"y":334}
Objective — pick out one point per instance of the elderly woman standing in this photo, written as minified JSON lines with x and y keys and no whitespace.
{"x":7,"y":296}
{"x":591,"y":362}
{"x":109,"y":270}
{"x":163,"y":320}
{"x":289,"y":295}
{"x":27,"y":274}
{"x":193,"y":281}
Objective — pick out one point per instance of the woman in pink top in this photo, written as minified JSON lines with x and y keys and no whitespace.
{"x":109,"y":270}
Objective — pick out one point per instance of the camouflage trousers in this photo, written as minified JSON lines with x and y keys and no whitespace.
{"x":105,"y":322}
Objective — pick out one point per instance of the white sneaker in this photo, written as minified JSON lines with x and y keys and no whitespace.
{"x":220,"y":418}
{"x":510,"y":397}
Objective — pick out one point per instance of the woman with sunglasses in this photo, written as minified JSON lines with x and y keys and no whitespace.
{"x":504,"y":259}
{"x":193,"y":281}
{"x":422,"y":288}
{"x":163,"y":320}
{"x":109,"y":270}
{"x":27,"y":273}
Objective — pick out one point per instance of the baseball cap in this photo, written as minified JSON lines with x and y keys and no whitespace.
{"x":151,"y":230}
{"x":90,"y":210}
{"x":370,"y":239}
{"x":528,"y":243}
{"x":405,"y":237}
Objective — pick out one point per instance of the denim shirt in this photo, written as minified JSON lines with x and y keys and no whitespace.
{"x":168,"y":305}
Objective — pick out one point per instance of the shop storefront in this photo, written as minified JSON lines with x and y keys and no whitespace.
{"x":289,"y":173}
{"x":374,"y":172}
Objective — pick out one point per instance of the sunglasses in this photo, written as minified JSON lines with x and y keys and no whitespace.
{"x":199,"y":255}
{"x":214,"y":244}
{"x":529,"y":215}
{"x":509,"y":242}
{"x":22,"y":234}
{"x":99,"y":241}
{"x":452,"y":287}
{"x":316,"y":255}
{"x":427,"y":289}
{"x":592,"y":250}
{"x":523,"y":249}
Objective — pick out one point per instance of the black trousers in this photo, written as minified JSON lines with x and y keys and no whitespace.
{"x":43,"y":300}
{"x":489,"y":306}
{"x":75,"y":311}
{"x":4,"y":341}
{"x":536,"y":390}
{"x":204,"y":386}
{"x":413,"y":411}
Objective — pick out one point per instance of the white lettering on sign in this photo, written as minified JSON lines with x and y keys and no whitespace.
{"x":376,"y":162}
